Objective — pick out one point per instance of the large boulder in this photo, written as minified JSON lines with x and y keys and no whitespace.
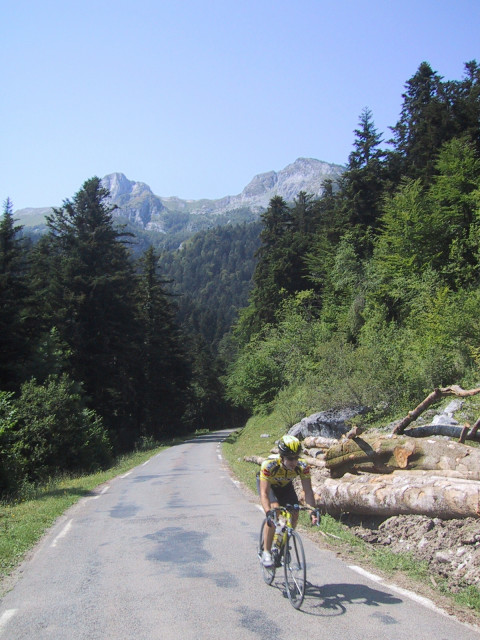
{"x":327,"y":424}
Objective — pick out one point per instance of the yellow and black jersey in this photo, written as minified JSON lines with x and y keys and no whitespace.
{"x":273,"y":471}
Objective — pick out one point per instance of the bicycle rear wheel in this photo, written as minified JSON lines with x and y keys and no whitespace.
{"x":295,"y":570}
{"x":267,"y":572}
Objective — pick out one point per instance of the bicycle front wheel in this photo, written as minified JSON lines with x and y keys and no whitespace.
{"x":295,"y":570}
{"x":267,"y":572}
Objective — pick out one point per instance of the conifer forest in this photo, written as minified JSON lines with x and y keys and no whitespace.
{"x":367,"y":295}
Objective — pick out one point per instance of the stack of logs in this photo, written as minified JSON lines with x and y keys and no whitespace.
{"x":396,"y":473}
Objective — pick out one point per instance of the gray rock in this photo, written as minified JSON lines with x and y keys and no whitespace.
{"x":444,"y":419}
{"x":328,"y":424}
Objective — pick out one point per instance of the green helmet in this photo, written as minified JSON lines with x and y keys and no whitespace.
{"x":289,"y":446}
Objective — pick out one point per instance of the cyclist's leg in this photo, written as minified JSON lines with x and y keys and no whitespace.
{"x":268,"y":531}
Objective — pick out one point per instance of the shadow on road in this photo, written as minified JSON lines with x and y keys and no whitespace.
{"x":334,"y":599}
{"x":67,"y":491}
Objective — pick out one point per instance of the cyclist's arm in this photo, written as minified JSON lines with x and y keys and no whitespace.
{"x":309,"y":497}
{"x":264,"y":497}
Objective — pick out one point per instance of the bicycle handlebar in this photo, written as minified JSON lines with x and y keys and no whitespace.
{"x":296,"y":507}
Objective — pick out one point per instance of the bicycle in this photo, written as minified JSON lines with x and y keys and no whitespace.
{"x":287,"y":550}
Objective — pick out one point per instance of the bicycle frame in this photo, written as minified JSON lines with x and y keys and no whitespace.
{"x":287,"y":512}
{"x":290,"y":553}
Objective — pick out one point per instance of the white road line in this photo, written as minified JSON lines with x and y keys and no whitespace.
{"x":104,"y":490}
{"x":404,"y":592}
{"x":5,"y":617}
{"x":364,"y":572}
{"x":145,"y":463}
{"x":62,"y":533}
{"x":126,"y":474}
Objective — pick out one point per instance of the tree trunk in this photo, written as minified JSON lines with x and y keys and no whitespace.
{"x":319,"y":442}
{"x":395,"y":494}
{"x":384,"y":454}
{"x":451,"y":431}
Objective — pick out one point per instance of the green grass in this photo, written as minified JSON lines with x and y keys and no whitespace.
{"x":332,"y":532}
{"x":468,"y":597}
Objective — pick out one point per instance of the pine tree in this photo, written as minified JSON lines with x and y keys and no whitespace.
{"x":464,"y":97}
{"x":362,"y":184}
{"x":91,"y":291}
{"x":14,"y":347}
{"x":166,"y":373}
{"x":270,"y":277}
{"x":425,"y":124}
{"x":455,"y":195}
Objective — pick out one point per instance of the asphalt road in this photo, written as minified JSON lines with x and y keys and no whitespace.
{"x":168,"y":551}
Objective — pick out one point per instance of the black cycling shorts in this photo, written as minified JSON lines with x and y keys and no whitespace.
{"x":283,"y":495}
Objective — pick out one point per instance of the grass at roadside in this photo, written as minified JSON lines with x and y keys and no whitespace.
{"x":257,"y":438}
{"x":22,"y":523}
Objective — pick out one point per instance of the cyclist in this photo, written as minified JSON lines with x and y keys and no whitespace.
{"x":275,"y":486}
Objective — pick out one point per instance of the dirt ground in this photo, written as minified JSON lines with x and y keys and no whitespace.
{"x":450,"y":547}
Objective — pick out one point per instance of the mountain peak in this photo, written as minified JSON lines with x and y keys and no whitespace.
{"x":305,"y":174}
{"x":119,"y":185}
{"x":136,"y":202}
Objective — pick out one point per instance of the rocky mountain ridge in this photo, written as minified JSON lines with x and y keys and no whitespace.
{"x":143,"y":209}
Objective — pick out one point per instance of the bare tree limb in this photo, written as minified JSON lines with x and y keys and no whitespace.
{"x":436,"y":394}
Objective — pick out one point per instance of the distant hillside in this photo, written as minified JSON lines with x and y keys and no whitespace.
{"x":179,"y":219}
{"x":212,"y":276}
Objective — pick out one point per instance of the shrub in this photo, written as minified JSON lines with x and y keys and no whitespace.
{"x":56,"y":432}
{"x":10,"y":470}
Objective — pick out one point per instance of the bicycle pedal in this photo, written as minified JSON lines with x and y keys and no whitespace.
{"x":276,"y":557}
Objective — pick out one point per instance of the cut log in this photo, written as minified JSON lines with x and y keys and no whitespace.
{"x":432,"y":495}
{"x":315,"y":462}
{"x":436,"y":394}
{"x":318,"y":463}
{"x":450,"y":431}
{"x":314,"y":453}
{"x":384,"y":454}
{"x":318,"y":442}
{"x":354,"y":432}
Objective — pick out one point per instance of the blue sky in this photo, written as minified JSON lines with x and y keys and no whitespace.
{"x":195,"y":97}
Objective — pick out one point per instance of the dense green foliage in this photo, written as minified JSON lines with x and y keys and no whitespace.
{"x":212,"y":274}
{"x":366,"y":295}
{"x":94,"y":359}
{"x":376,"y":300}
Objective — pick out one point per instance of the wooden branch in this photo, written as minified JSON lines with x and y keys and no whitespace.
{"x":436,"y":394}
{"x":464,"y":433}
{"x":473,"y":433}
{"x":354,"y":432}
